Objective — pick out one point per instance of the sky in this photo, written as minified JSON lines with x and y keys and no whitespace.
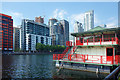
{"x":104,"y":12}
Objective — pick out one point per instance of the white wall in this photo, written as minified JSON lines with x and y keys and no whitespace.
{"x":91,"y":50}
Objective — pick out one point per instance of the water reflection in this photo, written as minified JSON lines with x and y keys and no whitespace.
{"x":39,"y":66}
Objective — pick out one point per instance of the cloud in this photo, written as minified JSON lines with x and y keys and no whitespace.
{"x":17,"y":18}
{"x":111,"y":22}
{"x":77,"y":17}
{"x":60,"y":14}
{"x":17,"y":14}
{"x":111,"y":25}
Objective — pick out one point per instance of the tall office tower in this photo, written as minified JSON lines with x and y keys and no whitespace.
{"x":6,"y":33}
{"x":89,"y":20}
{"x":16,"y":38}
{"x":78,"y":27}
{"x":39,"y":19}
{"x":57,"y":34}
{"x":65,"y":25}
{"x":51,"y":23}
{"x":32,"y":33}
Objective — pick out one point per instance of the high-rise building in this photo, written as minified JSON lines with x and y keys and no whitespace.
{"x":89,"y":20}
{"x":16,"y":38}
{"x":65,"y":25}
{"x":32,"y":33}
{"x":39,"y":19}
{"x":78,"y":27}
{"x":6,"y":33}
{"x":57,"y":34}
{"x":51,"y":23}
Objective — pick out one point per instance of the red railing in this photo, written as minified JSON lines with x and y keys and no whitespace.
{"x":66,"y":50}
{"x":68,"y":43}
{"x":63,"y":55}
{"x":98,"y":59}
{"x":100,"y":40}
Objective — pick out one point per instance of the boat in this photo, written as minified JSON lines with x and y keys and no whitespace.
{"x":96,"y":50}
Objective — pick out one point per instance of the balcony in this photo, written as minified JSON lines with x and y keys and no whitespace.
{"x":98,"y":41}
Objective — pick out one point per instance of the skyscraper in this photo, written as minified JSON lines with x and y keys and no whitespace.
{"x":51,"y":23}
{"x":16,"y":38}
{"x":65,"y":24}
{"x":6,"y":33}
{"x":78,"y":27}
{"x":89,"y":20}
{"x":57,"y":34}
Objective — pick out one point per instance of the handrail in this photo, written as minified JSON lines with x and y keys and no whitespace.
{"x":101,"y":40}
{"x":99,"y":59}
{"x":113,"y":75}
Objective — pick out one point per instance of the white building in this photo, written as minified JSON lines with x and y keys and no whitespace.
{"x":78,"y":27}
{"x":89,"y":20}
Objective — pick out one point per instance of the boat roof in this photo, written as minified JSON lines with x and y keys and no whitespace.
{"x":96,"y":31}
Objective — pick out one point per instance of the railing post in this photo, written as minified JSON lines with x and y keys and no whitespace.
{"x":112,"y":40}
{"x":76,"y":55}
{"x":101,"y":59}
{"x":100,"y":41}
{"x":87,"y":41}
{"x":116,"y":40}
{"x":112,"y":60}
{"x":87,"y":56}
{"x":70,"y":57}
{"x":84,"y":58}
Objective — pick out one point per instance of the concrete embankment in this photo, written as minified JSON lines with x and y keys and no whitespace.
{"x":31,"y":53}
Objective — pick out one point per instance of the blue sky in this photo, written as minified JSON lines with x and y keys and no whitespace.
{"x":105,"y":12}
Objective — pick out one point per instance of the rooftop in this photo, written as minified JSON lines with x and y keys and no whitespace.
{"x":96,"y":30}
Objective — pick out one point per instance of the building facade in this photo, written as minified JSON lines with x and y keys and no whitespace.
{"x":51,"y":23}
{"x":65,"y":25}
{"x":6,"y":33}
{"x":57,"y":34}
{"x":39,"y":19}
{"x":78,"y":27}
{"x":16,"y":38}
{"x":89,"y":20}
{"x":32,"y":33}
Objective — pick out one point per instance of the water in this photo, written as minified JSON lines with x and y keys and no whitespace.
{"x":40,"y":66}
